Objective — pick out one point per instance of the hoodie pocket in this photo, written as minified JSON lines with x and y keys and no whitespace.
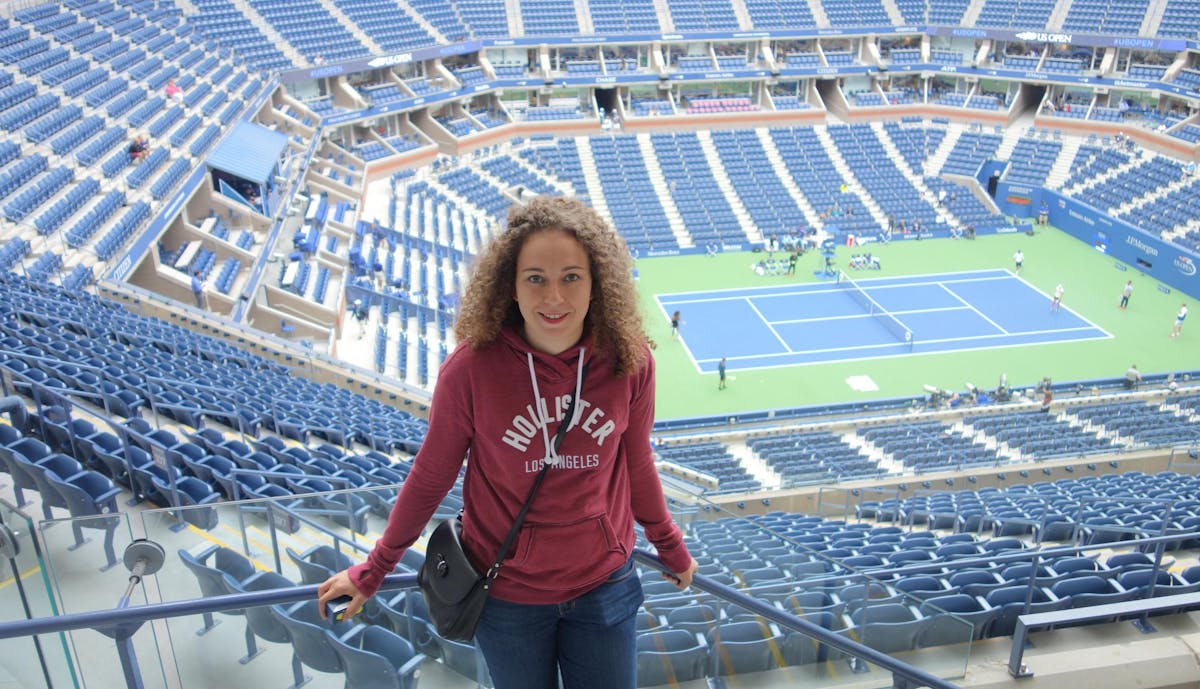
{"x":567,"y":555}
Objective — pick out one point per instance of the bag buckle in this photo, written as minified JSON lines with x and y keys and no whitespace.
{"x":442,"y":566}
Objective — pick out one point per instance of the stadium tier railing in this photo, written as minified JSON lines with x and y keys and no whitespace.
{"x":163,"y":626}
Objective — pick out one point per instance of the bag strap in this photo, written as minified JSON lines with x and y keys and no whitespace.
{"x":494,"y":570}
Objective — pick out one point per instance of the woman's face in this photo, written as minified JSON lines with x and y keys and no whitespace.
{"x":553,"y":290}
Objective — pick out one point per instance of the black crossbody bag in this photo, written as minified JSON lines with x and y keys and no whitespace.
{"x":454,"y":591}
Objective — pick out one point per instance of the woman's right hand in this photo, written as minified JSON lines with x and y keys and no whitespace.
{"x":336,"y":586}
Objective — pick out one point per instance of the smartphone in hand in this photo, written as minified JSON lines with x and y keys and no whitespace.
{"x":336,"y":608}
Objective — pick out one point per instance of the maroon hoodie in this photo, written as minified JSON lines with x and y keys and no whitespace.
{"x":579,"y":528}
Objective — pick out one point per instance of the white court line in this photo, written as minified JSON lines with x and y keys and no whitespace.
{"x":766,"y":322}
{"x":972,"y":307}
{"x":664,"y":301}
{"x":1063,"y":307}
{"x":789,"y":290}
{"x":868,"y":315}
{"x":939,"y":341}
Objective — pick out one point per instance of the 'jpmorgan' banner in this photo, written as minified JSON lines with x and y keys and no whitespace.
{"x":1169,"y":263}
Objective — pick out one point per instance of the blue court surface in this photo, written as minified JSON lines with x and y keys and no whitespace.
{"x":787,"y":325}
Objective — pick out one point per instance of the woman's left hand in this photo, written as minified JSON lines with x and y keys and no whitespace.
{"x":683,"y":579}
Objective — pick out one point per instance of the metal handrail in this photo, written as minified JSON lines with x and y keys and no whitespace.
{"x":129,"y":618}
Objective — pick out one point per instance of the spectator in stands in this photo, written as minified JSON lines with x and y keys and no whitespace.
{"x":551,"y":311}
{"x":1132,"y":377}
{"x":173,"y":91}
{"x":139,"y":148}
{"x":360,"y":313}
{"x":198,"y":289}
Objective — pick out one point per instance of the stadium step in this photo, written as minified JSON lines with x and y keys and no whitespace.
{"x":810,"y":214}
{"x":722,"y":179}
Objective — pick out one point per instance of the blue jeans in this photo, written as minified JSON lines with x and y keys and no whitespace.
{"x":591,"y":640}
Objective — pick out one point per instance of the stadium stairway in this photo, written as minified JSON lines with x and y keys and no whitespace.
{"x":1061,"y":170}
{"x":810,"y":214}
{"x":1012,"y":135}
{"x":1137,"y":158}
{"x":659,"y":183}
{"x":933,"y":165}
{"x":847,"y":173}
{"x":885,"y":461}
{"x":722,"y":179}
{"x":914,"y":177}
{"x":594,"y":191}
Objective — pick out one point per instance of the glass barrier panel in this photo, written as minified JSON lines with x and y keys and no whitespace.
{"x":262,"y":544}
{"x":821,"y":569}
{"x":225,"y":547}
{"x":84,"y":561}
{"x":25,"y":593}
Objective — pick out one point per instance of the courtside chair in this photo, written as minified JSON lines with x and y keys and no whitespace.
{"x":942,"y":625}
{"x":697,"y":619}
{"x":57,"y":464}
{"x":318,"y":563}
{"x":261,"y":623}
{"x":407,"y":615}
{"x":669,"y":657}
{"x":310,"y":643}
{"x":29,"y":450}
{"x":376,"y":658}
{"x":91,"y":498}
{"x":799,"y":649}
{"x":1011,"y":602}
{"x":743,"y":647}
{"x":195,"y":495}
{"x":210,"y":568}
{"x":1080,"y":592}
{"x":886,"y":627}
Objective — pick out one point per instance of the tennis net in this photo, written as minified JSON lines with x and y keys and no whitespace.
{"x":893,"y":324}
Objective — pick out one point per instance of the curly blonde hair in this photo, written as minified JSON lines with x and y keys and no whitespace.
{"x":613,"y":317}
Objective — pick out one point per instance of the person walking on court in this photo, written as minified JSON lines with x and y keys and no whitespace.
{"x":676,"y":319}
{"x":1126,"y":291}
{"x":721,"y":374}
{"x":1056,"y":302}
{"x":1018,"y":260}
{"x":1179,"y":318}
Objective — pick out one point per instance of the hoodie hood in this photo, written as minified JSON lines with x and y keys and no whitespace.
{"x":550,"y":368}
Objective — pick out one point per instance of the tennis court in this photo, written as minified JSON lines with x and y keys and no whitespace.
{"x":854,"y":319}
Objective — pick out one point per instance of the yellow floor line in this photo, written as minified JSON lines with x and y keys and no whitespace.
{"x":24,"y":575}
{"x":212,"y":539}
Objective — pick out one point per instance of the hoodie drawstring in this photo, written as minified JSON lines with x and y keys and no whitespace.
{"x":552,"y":454}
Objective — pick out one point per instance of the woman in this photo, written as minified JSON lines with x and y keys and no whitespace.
{"x":675,"y":321}
{"x":550,"y":313}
